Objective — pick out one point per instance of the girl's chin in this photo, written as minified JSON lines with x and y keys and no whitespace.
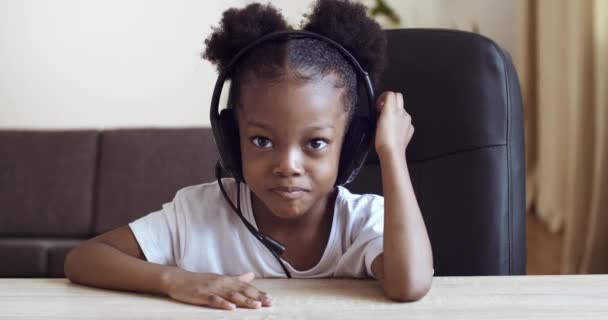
{"x":279,"y":208}
{"x":287,"y":212}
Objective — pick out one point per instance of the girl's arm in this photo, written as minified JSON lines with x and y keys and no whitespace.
{"x":405,"y":268}
{"x":114,"y":260}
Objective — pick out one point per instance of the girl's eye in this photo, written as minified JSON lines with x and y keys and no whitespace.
{"x":317,"y":144}
{"x":261,"y":142}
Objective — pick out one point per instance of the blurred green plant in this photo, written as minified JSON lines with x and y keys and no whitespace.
{"x":383,"y":9}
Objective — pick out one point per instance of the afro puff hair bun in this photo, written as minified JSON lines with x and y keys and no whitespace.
{"x":343,"y":21}
{"x":238,"y":28}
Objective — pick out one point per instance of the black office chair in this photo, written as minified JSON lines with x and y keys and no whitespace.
{"x":466,"y":158}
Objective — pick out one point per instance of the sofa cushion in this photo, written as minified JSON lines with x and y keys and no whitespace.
{"x":56,"y":253}
{"x":46,"y":180}
{"x":34,"y":258}
{"x":140,"y":169}
{"x":22,"y":258}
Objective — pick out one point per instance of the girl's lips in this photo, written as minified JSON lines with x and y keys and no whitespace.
{"x":289,"y":193}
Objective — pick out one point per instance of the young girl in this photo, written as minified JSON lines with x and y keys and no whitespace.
{"x":293,"y":102}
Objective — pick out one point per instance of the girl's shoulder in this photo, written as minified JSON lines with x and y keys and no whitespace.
{"x":202,"y":200}
{"x":203,"y":191}
{"x":357,"y":205}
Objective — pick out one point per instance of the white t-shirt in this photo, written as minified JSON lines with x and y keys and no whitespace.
{"x":199,"y":232}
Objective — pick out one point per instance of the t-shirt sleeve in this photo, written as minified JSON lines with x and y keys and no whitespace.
{"x":371,"y":234}
{"x":373,"y":248}
{"x":367,"y":231}
{"x":157,"y":235}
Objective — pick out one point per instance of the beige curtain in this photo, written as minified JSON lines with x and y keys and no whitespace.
{"x":566,"y":105}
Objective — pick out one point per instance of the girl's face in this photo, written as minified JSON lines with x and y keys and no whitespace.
{"x":290,"y":136}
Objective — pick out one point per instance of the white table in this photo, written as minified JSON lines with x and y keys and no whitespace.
{"x":520,"y":297}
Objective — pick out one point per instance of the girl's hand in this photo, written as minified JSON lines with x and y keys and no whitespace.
{"x":216,"y":291}
{"x":394,"y":128}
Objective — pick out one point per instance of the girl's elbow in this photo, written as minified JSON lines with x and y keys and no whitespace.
{"x":68,"y":265}
{"x":72,"y":264}
{"x":414,"y":291}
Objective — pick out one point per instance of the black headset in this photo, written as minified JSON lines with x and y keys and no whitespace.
{"x":355,"y":147}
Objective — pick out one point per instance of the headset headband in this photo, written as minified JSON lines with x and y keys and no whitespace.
{"x":290,"y":34}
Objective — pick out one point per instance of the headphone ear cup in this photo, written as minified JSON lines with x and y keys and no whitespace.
{"x":231,"y":153}
{"x":355,"y":147}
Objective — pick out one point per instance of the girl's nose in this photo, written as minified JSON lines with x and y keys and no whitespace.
{"x":288,"y":163}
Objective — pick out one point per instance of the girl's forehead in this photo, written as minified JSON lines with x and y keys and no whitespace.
{"x":311,"y":99}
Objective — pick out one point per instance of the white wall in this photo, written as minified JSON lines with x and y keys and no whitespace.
{"x":496,"y":19}
{"x":111,"y":63}
{"x":133,"y":63}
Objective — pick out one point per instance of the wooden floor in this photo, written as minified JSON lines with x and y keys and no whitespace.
{"x":544,"y":249}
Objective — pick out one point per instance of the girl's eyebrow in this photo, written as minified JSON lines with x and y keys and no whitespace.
{"x":262,"y":125}
{"x":258,"y":124}
{"x":253,"y":123}
{"x":322,"y":126}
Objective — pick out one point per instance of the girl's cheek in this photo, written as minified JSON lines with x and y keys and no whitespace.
{"x":252,"y":160}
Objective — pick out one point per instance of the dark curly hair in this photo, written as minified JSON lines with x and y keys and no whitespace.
{"x":307,"y":59}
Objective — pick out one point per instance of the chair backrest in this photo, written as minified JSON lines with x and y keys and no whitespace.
{"x":466,"y":158}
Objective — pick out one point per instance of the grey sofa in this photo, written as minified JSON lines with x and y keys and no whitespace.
{"x":61,"y":187}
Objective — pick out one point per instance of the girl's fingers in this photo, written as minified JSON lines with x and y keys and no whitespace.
{"x":395,"y":100}
{"x":267,"y":302}
{"x":241,"y":300}
{"x":213,"y":301}
{"x":381,"y":102}
{"x":392,"y":98}
{"x":255,"y":294}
